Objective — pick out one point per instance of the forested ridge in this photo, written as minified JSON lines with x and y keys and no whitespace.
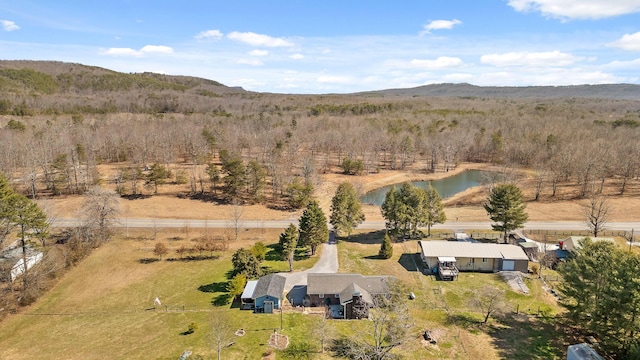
{"x":59,"y":121}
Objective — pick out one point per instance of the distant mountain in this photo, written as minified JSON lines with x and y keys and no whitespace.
{"x":606,"y":91}
{"x":69,"y":87}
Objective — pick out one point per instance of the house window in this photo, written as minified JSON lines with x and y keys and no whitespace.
{"x":320,"y":296}
{"x":484,"y":260}
{"x":336,"y":296}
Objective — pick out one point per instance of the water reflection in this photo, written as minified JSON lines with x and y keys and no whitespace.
{"x":446,"y":187}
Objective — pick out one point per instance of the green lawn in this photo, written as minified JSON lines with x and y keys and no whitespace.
{"x":103,"y":309}
{"x":444,"y":307}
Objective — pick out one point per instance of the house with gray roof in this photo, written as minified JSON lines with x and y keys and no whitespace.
{"x":349,"y":296}
{"x":266,"y":293}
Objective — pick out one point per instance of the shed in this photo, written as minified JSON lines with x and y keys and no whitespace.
{"x":573,"y":243}
{"x":530,"y":248}
{"x":267,"y":295}
{"x":246,"y":299}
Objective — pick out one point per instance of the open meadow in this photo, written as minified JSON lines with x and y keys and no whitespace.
{"x":104,"y":308}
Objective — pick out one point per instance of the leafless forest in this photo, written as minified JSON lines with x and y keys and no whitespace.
{"x":59,"y":122}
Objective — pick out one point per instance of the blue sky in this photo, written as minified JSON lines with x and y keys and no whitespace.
{"x":331,"y":46}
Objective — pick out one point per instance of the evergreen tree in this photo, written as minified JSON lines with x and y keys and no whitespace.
{"x":26,"y":214}
{"x":601,"y":291}
{"x":244,"y":262}
{"x":5,"y":211}
{"x":288,"y":243}
{"x":346,"y":210}
{"x":234,"y":179}
{"x":313,"y":227}
{"x":506,"y":207}
{"x":157,"y":175}
{"x":386,"y":249}
{"x":434,"y":209}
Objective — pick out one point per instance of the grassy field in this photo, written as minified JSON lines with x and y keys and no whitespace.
{"x":103,"y":309}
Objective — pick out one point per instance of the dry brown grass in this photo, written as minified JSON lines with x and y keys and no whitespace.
{"x":465,"y":206}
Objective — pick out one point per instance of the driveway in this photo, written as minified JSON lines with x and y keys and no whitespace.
{"x":296,"y":285}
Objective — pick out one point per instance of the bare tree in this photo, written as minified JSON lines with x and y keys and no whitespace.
{"x":236,"y":217}
{"x":389,"y":326}
{"x":596,"y":211}
{"x":490,"y":301}
{"x":101,"y":211}
{"x":223,"y":332}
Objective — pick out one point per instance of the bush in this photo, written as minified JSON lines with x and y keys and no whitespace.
{"x":192,"y":328}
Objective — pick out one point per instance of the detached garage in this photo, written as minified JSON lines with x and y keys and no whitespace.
{"x":475,"y":256}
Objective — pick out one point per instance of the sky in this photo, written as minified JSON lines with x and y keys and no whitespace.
{"x":336,"y":46}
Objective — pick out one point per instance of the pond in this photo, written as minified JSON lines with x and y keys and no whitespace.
{"x":446,"y":187}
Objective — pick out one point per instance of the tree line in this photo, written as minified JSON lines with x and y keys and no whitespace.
{"x":283,"y":145}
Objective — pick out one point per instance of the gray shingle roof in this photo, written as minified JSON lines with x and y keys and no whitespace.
{"x":337,"y":283}
{"x":272,"y":285}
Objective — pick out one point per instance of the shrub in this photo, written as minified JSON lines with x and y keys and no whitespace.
{"x":386,"y":249}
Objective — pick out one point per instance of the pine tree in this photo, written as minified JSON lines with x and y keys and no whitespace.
{"x":386,"y":249}
{"x":346,"y":210}
{"x":313,"y":227}
{"x":433,"y":209}
{"x":506,"y":207}
{"x":288,"y":243}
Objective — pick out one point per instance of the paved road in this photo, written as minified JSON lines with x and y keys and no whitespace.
{"x":368,"y":225}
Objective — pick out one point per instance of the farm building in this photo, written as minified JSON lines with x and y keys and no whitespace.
{"x":349,"y":296}
{"x":573,"y":243}
{"x":468,"y":256}
{"x":264,"y":294}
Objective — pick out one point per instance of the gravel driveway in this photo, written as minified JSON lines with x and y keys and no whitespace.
{"x":296,"y":284}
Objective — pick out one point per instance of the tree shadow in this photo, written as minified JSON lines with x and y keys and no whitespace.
{"x":464,"y":320}
{"x":214,"y":287}
{"x":521,"y":336}
{"x":373,"y":257}
{"x":135,"y":197}
{"x":372,"y":237}
{"x":221,"y":300}
{"x":148,"y":260}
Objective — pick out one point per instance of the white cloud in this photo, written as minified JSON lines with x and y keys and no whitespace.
{"x":334,"y":79}
{"x":258,"y":53}
{"x":440,"y":24}
{"x":439,"y":63}
{"x":210,"y":34}
{"x":577,"y":9}
{"x":156,"y":49}
{"x":544,"y":59}
{"x":8,"y":25}
{"x":259,"y":39}
{"x":252,"y":62}
{"x":296,"y":56}
{"x":630,"y":42}
{"x":145,"y":50}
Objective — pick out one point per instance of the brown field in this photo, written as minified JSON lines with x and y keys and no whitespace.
{"x":465,"y":206}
